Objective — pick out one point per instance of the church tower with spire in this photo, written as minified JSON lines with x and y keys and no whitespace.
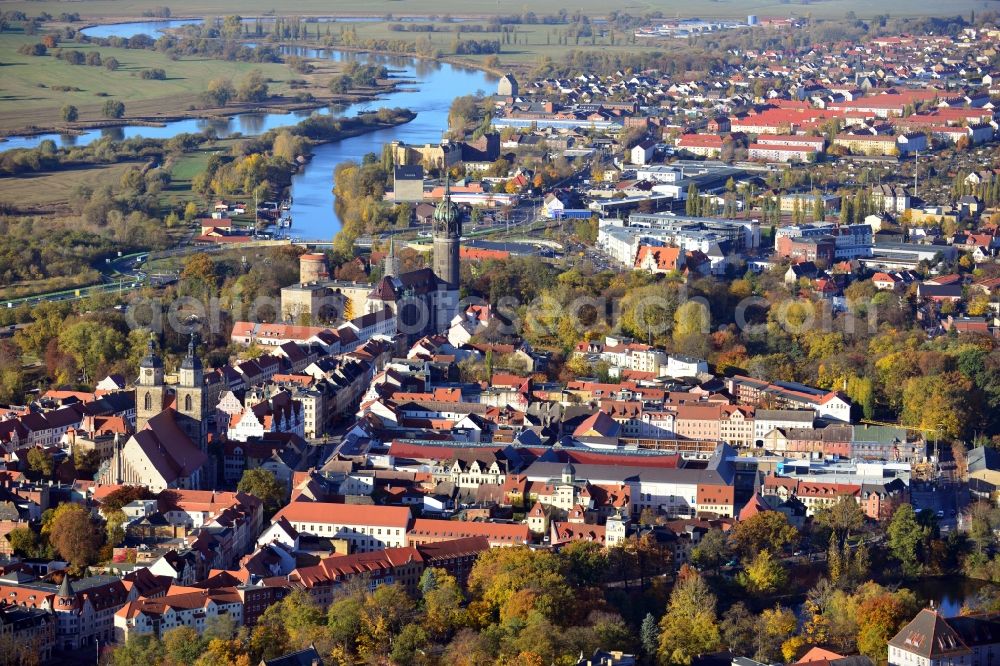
{"x":447,"y":232}
{"x":447,"y":237}
{"x":190,"y":392}
{"x":391,"y":261}
{"x":150,"y":389}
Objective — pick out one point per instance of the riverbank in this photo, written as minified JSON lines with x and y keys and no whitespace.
{"x":47,"y":196}
{"x":39,"y":88}
{"x":272,"y":106}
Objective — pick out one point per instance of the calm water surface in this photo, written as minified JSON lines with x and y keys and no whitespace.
{"x":313,"y":216}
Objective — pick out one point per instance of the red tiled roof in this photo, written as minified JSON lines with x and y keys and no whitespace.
{"x":344,"y":514}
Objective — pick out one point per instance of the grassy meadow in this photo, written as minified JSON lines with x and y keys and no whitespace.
{"x":49,"y":191}
{"x":33,"y":89}
{"x":534,"y":42}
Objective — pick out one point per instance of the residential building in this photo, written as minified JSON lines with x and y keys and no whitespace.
{"x":430,"y":531}
{"x":365,"y":528}
{"x":930,"y":639}
{"x":179,"y":607}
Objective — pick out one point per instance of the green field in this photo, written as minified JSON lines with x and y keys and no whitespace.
{"x":29,"y":93}
{"x":187,"y":166}
{"x":720,"y":8}
{"x":50,"y":191}
{"x":534,"y":42}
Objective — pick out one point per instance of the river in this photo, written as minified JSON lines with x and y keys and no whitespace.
{"x":313,"y":215}
{"x":153,"y":27}
{"x":948,"y":593}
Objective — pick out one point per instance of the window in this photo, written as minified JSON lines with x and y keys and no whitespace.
{"x":147,"y":401}
{"x":187,"y":403}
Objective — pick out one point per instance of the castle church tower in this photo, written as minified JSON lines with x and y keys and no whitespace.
{"x":447,"y":232}
{"x":150,"y":389}
{"x":447,"y":237}
{"x":190,"y":403}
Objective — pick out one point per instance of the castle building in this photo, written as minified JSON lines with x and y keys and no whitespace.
{"x":424,"y":300}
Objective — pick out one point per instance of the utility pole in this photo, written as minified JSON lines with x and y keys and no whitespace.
{"x":916,"y":170}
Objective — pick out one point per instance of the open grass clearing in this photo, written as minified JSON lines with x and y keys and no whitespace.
{"x":53,"y":190}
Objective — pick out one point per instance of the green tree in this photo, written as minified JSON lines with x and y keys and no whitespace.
{"x":23,"y":541}
{"x":648,"y":312}
{"x":113,"y":109}
{"x":263,"y":485}
{"x":409,"y":647}
{"x":219,"y":92}
{"x":649,"y":635}
{"x":70,"y":113}
{"x":86,"y":462}
{"x":712,"y":551}
{"x":190,"y":211}
{"x":292,"y":624}
{"x":834,"y":559}
{"x":502,"y":577}
{"x":253,"y":88}
{"x":139,"y":650}
{"x":344,"y":620}
{"x":690,"y":625}
{"x":982,"y":520}
{"x":220,"y":626}
{"x":443,"y":611}
{"x":906,"y":535}
{"x":39,"y":463}
{"x":183,"y":645}
{"x":586,"y":563}
{"x":819,"y":210}
{"x":692,"y":205}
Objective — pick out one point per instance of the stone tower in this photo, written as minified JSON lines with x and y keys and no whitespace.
{"x":313,"y":268}
{"x":190,"y":403}
{"x":150,"y":389}
{"x":391,"y":261}
{"x":447,"y":232}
